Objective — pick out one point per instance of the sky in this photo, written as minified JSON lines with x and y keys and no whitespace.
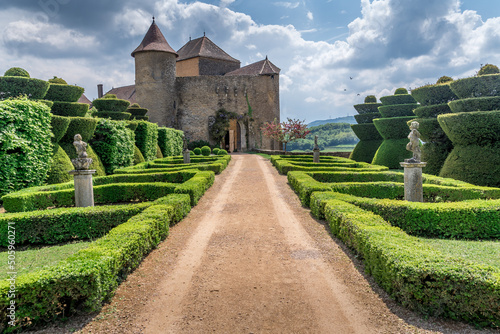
{"x":332,"y":53}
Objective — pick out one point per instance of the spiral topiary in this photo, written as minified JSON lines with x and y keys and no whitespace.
{"x":17,"y":72}
{"x":368,"y":135}
{"x":488,"y":69}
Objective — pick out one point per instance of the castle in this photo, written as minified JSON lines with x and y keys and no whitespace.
{"x":184,"y":90}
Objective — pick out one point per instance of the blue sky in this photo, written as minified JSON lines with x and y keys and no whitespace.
{"x":319,"y":45}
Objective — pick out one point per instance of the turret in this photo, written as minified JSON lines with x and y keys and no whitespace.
{"x":155,"y":77}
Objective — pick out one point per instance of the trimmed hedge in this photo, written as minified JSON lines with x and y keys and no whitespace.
{"x":146,"y":139}
{"x":114,"y":144}
{"x":414,"y":274}
{"x":485,"y":85}
{"x":366,"y":131}
{"x":367,"y":118}
{"x":70,"y":109}
{"x":391,"y":153}
{"x":136,"y":110}
{"x":60,"y":166}
{"x":138,"y":157}
{"x":393,"y":128}
{"x":170,"y":141}
{"x":433,"y":94}
{"x":90,"y":276}
{"x":435,"y":155}
{"x":25,"y":144}
{"x":367,"y":108}
{"x":365,"y":150}
{"x":58,"y":125}
{"x":83,"y":125}
{"x":475,"y":104}
{"x":64,"y":93}
{"x":432,"y":111}
{"x":111,"y":104}
{"x":114,"y":115}
{"x":478,"y":127}
{"x":15,"y":87}
{"x":397,"y":99}
{"x":159,"y":155}
{"x":66,"y":224}
{"x":397,"y":110}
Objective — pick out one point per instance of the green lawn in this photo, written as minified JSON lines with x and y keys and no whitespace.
{"x":484,"y":252}
{"x":38,"y":258}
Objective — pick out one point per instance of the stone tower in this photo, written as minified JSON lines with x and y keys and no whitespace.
{"x":155,"y":67}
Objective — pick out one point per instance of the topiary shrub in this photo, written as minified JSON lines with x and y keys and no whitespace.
{"x":146,"y":139}
{"x":367,"y":108}
{"x":191,"y":153}
{"x":170,"y":141}
{"x":136,"y":111}
{"x":109,"y":96}
{"x":393,"y":128}
{"x":480,"y":86}
{"x":25,"y":144}
{"x":111,"y":104}
{"x":397,"y":110}
{"x":205,"y":151}
{"x":401,"y":91}
{"x":64,"y":93}
{"x":475,"y":104}
{"x":159,"y":155}
{"x":365,"y":150}
{"x":138,"y":157}
{"x":432,"y":111}
{"x":397,"y":99}
{"x":370,"y":99}
{"x":197,"y":143}
{"x":34,"y":89}
{"x":114,"y":143}
{"x":114,"y":115}
{"x":433,"y":94}
{"x":56,"y":80}
{"x":17,"y":72}
{"x":222,"y":152}
{"x":197,"y":151}
{"x":58,"y":125}
{"x":60,"y":166}
{"x":82,"y":125}
{"x":70,"y":109}
{"x":443,"y":79}
{"x":488,"y":69}
{"x":216,"y":150}
{"x":367,"y":118}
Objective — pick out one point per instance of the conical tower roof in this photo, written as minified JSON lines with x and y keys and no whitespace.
{"x":154,"y":41}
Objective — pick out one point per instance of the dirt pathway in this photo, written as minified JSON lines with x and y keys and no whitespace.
{"x":250,"y":259}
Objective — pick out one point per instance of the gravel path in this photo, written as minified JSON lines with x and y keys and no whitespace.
{"x":250,"y":259}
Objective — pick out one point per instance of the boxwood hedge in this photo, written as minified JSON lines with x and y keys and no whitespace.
{"x":475,"y":104}
{"x":366,"y":131}
{"x":433,"y":94}
{"x":64,"y":93}
{"x":397,"y":99}
{"x":59,"y":167}
{"x":15,"y":87}
{"x":170,"y":141}
{"x":367,"y":108}
{"x":397,"y":110}
{"x":479,"y":127}
{"x":146,"y":139}
{"x":432,"y":111}
{"x":58,"y":125}
{"x":367,"y":118}
{"x":364,"y":151}
{"x":393,"y":128}
{"x":71,"y":109}
{"x":485,"y":85}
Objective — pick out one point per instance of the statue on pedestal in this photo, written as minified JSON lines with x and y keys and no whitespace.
{"x":82,"y":161}
{"x":414,"y":144}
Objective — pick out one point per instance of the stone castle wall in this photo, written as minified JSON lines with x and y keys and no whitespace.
{"x":200,"y":97}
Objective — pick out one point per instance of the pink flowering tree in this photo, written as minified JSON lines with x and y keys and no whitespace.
{"x":285,"y":132}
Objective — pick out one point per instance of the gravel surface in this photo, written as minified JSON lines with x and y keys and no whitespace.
{"x":250,"y":259}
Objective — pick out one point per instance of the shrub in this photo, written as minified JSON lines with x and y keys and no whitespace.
{"x":222,"y":152}
{"x":114,"y":143}
{"x":191,"y":153}
{"x":58,"y":125}
{"x":59,"y":167}
{"x":25,"y":144}
{"x":64,"y":93}
{"x":83,"y":125}
{"x":397,"y":99}
{"x":56,"y":80}
{"x":393,"y":128}
{"x":488,"y":69}
{"x":197,"y":143}
{"x":17,"y":72}
{"x":205,"y":151}
{"x":367,"y":118}
{"x":367,"y":108}
{"x":146,"y":139}
{"x":370,"y":99}
{"x":475,"y":104}
{"x":216,"y":150}
{"x":479,"y":127}
{"x":432,"y":111}
{"x":170,"y":141}
{"x":435,"y":155}
{"x":397,"y":110}
{"x":365,"y":150}
{"x":391,"y":153}
{"x":70,"y":109}
{"x":197,"y":151}
{"x":15,"y":87}
{"x":485,"y":85}
{"x":443,"y":79}
{"x":159,"y":155}
{"x":136,"y":110}
{"x":109,"y":103}
{"x":430,"y":130}
{"x":138,"y":157}
{"x":114,"y":115}
{"x":366,"y":131}
{"x":433,"y":94}
{"x":110,"y":96}
{"x":401,"y":91}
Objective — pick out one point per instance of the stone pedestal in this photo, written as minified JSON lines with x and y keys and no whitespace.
{"x":413,"y":181}
{"x":186,"y":156}
{"x":84,"y":190}
{"x":316,"y":156}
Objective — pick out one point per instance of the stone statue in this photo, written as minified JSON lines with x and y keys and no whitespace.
{"x":414,"y":144}
{"x":82,"y":161}
{"x":184,"y":144}
{"x":316,"y":147}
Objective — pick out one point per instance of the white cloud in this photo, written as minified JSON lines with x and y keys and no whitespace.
{"x":310,"y":16}
{"x":290,"y":5}
{"x":132,"y":22}
{"x":225,"y":3}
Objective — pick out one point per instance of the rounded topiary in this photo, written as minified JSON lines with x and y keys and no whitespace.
{"x":488,"y":69}
{"x":370,"y":99}
{"x":393,"y":128}
{"x":205,"y":151}
{"x":17,"y":72}
{"x":433,"y":94}
{"x":222,"y":152}
{"x":111,"y":104}
{"x":83,"y":125}
{"x":443,"y":79}
{"x":197,"y":151}
{"x":138,"y":157}
{"x":70,"y":109}
{"x":59,"y":125}
{"x":61,"y":165}
{"x":216,"y":150}
{"x":64,"y":93}
{"x":401,"y":91}
{"x":114,"y":115}
{"x":56,"y":80}
{"x":191,"y":153}
{"x":11,"y":86}
{"x":109,"y":96}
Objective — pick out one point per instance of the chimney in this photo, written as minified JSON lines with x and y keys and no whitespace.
{"x":99,"y":91}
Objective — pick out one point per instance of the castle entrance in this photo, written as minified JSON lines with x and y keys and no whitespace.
{"x":233,"y":139}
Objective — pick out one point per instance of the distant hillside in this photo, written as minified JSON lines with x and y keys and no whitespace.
{"x":331,"y":134}
{"x":346,"y":119}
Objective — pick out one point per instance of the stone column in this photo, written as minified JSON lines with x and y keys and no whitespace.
{"x":84,"y":191}
{"x":316,"y":150}
{"x":413,"y":181}
{"x":186,"y":156}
